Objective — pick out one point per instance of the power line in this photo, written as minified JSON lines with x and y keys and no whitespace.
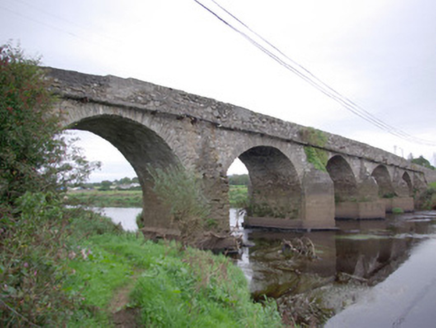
{"x":59,"y":29}
{"x":307,"y":76}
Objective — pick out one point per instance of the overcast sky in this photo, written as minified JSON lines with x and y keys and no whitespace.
{"x":379,"y":53}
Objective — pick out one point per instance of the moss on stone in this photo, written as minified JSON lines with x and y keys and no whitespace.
{"x":315,"y":138}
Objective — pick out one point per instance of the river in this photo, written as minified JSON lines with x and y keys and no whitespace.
{"x":371,"y":273}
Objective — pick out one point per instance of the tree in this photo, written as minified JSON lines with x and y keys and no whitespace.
{"x":423,"y":162}
{"x":36,"y":164}
{"x":239,"y":179}
{"x":125,"y":181}
{"x":105,"y":185}
{"x":33,"y":153}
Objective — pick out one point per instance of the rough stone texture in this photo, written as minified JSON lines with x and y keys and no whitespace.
{"x":159,"y":127}
{"x":407,"y":204}
{"x":362,"y":210}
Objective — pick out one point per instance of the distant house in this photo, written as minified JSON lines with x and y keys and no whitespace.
{"x":75,"y":188}
{"x":128,"y":186}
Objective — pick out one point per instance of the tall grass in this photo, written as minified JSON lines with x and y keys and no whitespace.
{"x":172,"y":286}
{"x":238,"y":196}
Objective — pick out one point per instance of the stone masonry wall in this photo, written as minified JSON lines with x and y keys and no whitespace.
{"x":153,"y":98}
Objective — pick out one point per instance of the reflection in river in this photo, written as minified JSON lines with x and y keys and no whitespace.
{"x":349,"y":262}
{"x":126,"y":216}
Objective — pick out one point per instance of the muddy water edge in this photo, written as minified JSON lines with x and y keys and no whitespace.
{"x":348,"y":262}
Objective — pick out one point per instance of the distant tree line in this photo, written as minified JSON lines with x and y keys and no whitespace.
{"x":107,"y":184}
{"x":423,"y":162}
{"x":239,"y":179}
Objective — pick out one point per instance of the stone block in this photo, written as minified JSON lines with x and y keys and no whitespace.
{"x":407,"y":204}
{"x":360,"y":211}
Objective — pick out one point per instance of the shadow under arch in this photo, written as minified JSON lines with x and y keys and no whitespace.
{"x":384,"y":182}
{"x":344,"y":181}
{"x":406,"y":178}
{"x":142,"y":147}
{"x":274,"y":188}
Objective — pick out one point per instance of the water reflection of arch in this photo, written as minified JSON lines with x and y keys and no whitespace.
{"x":142,"y":142}
{"x":375,"y":256}
{"x":275,"y":188}
{"x":384,"y":181}
{"x":343,"y":178}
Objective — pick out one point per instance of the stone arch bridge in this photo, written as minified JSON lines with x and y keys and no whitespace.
{"x":300,"y":178}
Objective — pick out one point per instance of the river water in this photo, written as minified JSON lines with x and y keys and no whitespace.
{"x":370,"y":273}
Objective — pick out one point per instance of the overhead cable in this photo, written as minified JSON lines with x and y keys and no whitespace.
{"x":275,"y":53}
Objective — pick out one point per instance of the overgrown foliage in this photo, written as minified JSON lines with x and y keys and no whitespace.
{"x":181,"y":191}
{"x":238,"y":196}
{"x":316,"y":139}
{"x":239,"y":180}
{"x":163,"y":284}
{"x":34,"y":167}
{"x":423,"y":162}
{"x":427,"y":199}
{"x":33,"y":154}
{"x":110,"y":198}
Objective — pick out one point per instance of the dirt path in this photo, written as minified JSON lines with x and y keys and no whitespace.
{"x":124,"y":317}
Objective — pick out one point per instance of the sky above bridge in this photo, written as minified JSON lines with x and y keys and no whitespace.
{"x":381,"y":54}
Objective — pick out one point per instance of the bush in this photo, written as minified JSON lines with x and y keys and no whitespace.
{"x":34,"y":167}
{"x":181,"y":192}
{"x":397,"y":210}
{"x":427,"y":199}
{"x":31,"y":269}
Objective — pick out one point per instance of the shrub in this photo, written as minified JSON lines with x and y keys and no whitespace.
{"x":34,"y":167}
{"x":317,"y":156}
{"x":397,"y":210}
{"x":31,"y":269}
{"x":181,"y":191}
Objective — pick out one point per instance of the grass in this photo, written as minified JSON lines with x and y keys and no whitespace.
{"x":110,"y":198}
{"x":432,"y":185}
{"x":170,"y":286}
{"x":238,"y":195}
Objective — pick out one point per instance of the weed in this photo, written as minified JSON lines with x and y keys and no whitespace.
{"x":397,"y":210}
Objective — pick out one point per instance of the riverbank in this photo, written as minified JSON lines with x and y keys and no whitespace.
{"x":133,"y":198}
{"x":126,"y":281}
{"x":106,"y":198}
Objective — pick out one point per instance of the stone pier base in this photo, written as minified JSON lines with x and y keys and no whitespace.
{"x":407,"y":204}
{"x":360,"y":211}
{"x":285,"y":224}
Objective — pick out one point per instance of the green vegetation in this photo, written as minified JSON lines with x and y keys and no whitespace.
{"x":239,"y":179}
{"x":427,"y":199}
{"x":423,"y":162}
{"x":110,"y":198}
{"x":34,"y":167}
{"x":182,"y":193}
{"x":318,"y":157}
{"x":397,"y":210}
{"x":167,"y":285}
{"x":238,"y":196}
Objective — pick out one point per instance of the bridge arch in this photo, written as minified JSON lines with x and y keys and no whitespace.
{"x":384,"y":182}
{"x":406,"y":178}
{"x":142,"y":145}
{"x":344,"y":180}
{"x":275,"y":189}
